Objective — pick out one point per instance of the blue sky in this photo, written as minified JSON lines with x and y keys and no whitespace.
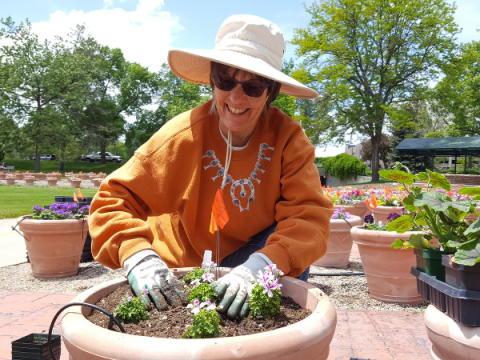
{"x":146,"y":29}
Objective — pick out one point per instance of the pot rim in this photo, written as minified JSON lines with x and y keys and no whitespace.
{"x":302,"y":333}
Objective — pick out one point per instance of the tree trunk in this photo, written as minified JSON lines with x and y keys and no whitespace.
{"x":62,"y":157}
{"x":103,"y":147}
{"x":37,"y":159}
{"x":375,"y":156}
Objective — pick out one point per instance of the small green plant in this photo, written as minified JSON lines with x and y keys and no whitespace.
{"x":131,"y":309}
{"x":206,"y":321}
{"x":266,"y":294}
{"x":195,"y":274}
{"x":202,"y":292}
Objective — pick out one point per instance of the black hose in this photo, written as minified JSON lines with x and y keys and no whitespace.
{"x":336,"y":274}
{"x":110,"y":324}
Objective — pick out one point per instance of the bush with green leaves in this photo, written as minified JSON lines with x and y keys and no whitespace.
{"x":195,"y":274}
{"x":434,"y":209}
{"x":206,"y":321}
{"x":132,"y":309}
{"x":342,"y":166}
{"x":202,"y":292}
{"x":266,"y":295}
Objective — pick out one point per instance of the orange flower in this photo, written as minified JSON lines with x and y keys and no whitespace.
{"x":338,"y":193}
{"x":80,"y":172}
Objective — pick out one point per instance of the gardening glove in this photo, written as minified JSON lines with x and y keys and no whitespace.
{"x":163,"y":287}
{"x":238,"y":283}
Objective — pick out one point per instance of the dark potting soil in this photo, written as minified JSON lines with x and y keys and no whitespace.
{"x":172,"y":323}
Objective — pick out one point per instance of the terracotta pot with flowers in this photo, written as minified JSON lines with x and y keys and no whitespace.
{"x":82,"y":176}
{"x":10,"y":178}
{"x":75,"y":182}
{"x":29,"y":179}
{"x":387,"y":271}
{"x":52,"y":180}
{"x":339,"y":245}
{"x":97,"y":181}
{"x":55,"y":238}
{"x":40,"y":176}
{"x":353,"y":201}
{"x":18,"y":176}
{"x":445,"y":219}
{"x":384,"y":202}
{"x":307,"y":339}
{"x":3,"y":175}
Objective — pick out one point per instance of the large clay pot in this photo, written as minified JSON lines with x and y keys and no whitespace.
{"x":54,"y":246}
{"x":339,"y":245}
{"x":450,"y":339}
{"x":380,"y":213}
{"x":11,"y":181}
{"x":30,"y":180}
{"x":96,"y":181}
{"x":307,"y":339}
{"x":359,"y":209}
{"x":40,"y":176}
{"x":83,"y":176}
{"x":58,"y":176}
{"x":19,"y":176}
{"x":2,"y":175}
{"x":52,"y":182}
{"x":76,"y":183}
{"x":387,"y":270}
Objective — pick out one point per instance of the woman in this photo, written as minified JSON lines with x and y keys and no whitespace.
{"x":153,"y":213}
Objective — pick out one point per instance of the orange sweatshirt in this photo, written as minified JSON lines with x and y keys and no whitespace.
{"x":161,"y":199}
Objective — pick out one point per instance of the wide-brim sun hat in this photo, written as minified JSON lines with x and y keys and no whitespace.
{"x":246,"y":42}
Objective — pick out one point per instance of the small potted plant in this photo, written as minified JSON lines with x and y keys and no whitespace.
{"x":10,"y":178}
{"x":384,"y":202}
{"x":54,"y":238}
{"x":75,"y":181}
{"x":353,"y":201}
{"x":97,"y":181}
{"x":340,"y":242}
{"x":29,"y":179}
{"x":52,"y":180}
{"x":40,"y":176}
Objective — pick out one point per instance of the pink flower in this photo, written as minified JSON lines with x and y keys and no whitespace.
{"x":207,"y":277}
{"x":195,"y":282}
{"x":196,"y":307}
{"x":208,"y":304}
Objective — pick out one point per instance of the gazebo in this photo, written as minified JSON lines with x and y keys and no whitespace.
{"x":454,"y":147}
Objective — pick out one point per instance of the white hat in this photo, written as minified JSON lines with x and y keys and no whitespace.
{"x":245,"y":42}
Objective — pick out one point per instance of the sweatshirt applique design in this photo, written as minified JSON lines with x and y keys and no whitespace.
{"x":241,"y":183}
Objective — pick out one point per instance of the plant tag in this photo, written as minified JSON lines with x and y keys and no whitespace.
{"x":219,"y":212}
{"x":207,"y":257}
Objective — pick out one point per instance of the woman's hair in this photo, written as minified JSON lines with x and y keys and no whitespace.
{"x":217,"y":69}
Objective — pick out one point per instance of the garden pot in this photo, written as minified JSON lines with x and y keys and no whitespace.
{"x":387,"y":270}
{"x":307,"y":339}
{"x":96,"y":182}
{"x":40,"y":176}
{"x":54,"y":246}
{"x":35,"y":347}
{"x":11,"y":181}
{"x":360,"y":209}
{"x":19,"y":176}
{"x":451,"y":340}
{"x":76,"y":183}
{"x":433,"y":263}
{"x":83,"y":176}
{"x":339,"y":243}
{"x":380,"y":213}
{"x":30,"y":180}
{"x":52,"y":182}
{"x":2,"y":176}
{"x":58,"y":176}
{"x":461,"y":276}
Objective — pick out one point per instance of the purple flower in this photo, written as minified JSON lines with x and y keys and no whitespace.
{"x":37,"y":208}
{"x":84,"y":209}
{"x":369,"y":219}
{"x":392,"y":216}
{"x":196,"y":307}
{"x":208,"y":304}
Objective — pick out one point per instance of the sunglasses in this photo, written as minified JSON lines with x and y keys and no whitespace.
{"x":253,"y":89}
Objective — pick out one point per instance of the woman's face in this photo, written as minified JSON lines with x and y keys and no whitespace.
{"x":238,"y":112}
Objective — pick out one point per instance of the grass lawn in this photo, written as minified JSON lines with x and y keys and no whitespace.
{"x":18,"y":200}
{"x":75,"y":166}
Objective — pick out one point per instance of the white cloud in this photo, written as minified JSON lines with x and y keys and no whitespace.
{"x":144,"y":35}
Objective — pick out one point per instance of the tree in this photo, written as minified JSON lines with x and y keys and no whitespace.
{"x":368,"y":55}
{"x":459,"y":91}
{"x":384,"y":149}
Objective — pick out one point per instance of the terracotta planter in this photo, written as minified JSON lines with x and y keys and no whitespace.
{"x":30,"y":180}
{"x":360,"y":209}
{"x":54,"y":246}
{"x":451,"y":340}
{"x":3,"y":176}
{"x":40,"y":176}
{"x":96,"y":182}
{"x":58,"y":176}
{"x":307,"y":339}
{"x":76,"y":183}
{"x":83,"y":176}
{"x":19,"y":176}
{"x":380,"y":213}
{"x":52,"y":182}
{"x":387,"y":270}
{"x":339,"y":243}
{"x":473,"y":217}
{"x":10,"y":181}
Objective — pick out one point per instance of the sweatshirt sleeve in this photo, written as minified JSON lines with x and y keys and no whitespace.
{"x":303,"y":213}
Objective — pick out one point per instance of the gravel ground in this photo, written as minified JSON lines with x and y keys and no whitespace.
{"x":60,"y":183}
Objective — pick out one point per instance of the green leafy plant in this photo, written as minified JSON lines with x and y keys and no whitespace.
{"x":435,"y":210}
{"x":342,"y":166}
{"x":132,"y":309}
{"x":202,"y":292}
{"x":266,"y":295}
{"x":195,"y":274}
{"x":206,"y":321}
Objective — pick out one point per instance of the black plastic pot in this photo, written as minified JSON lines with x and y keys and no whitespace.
{"x":421,"y":261}
{"x":432,"y":262}
{"x":461,"y":276}
{"x":461,"y":305}
{"x":35,"y":346}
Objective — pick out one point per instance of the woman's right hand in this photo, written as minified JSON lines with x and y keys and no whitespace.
{"x":163,"y":287}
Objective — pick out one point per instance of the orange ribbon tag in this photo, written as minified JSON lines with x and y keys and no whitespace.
{"x":75,"y":198}
{"x":368,"y":204}
{"x":80,"y":194}
{"x":374,"y":201}
{"x":219,"y":215}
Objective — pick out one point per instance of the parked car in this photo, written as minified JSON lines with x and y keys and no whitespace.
{"x":96,"y":157}
{"x":45,"y":157}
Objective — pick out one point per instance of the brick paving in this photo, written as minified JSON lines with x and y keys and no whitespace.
{"x":360,"y":335}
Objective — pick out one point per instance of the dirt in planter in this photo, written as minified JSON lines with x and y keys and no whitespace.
{"x":172,"y":323}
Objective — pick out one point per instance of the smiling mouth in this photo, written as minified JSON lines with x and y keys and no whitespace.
{"x":236,"y":111}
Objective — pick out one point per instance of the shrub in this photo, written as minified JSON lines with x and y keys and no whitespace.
{"x":342,"y":166}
